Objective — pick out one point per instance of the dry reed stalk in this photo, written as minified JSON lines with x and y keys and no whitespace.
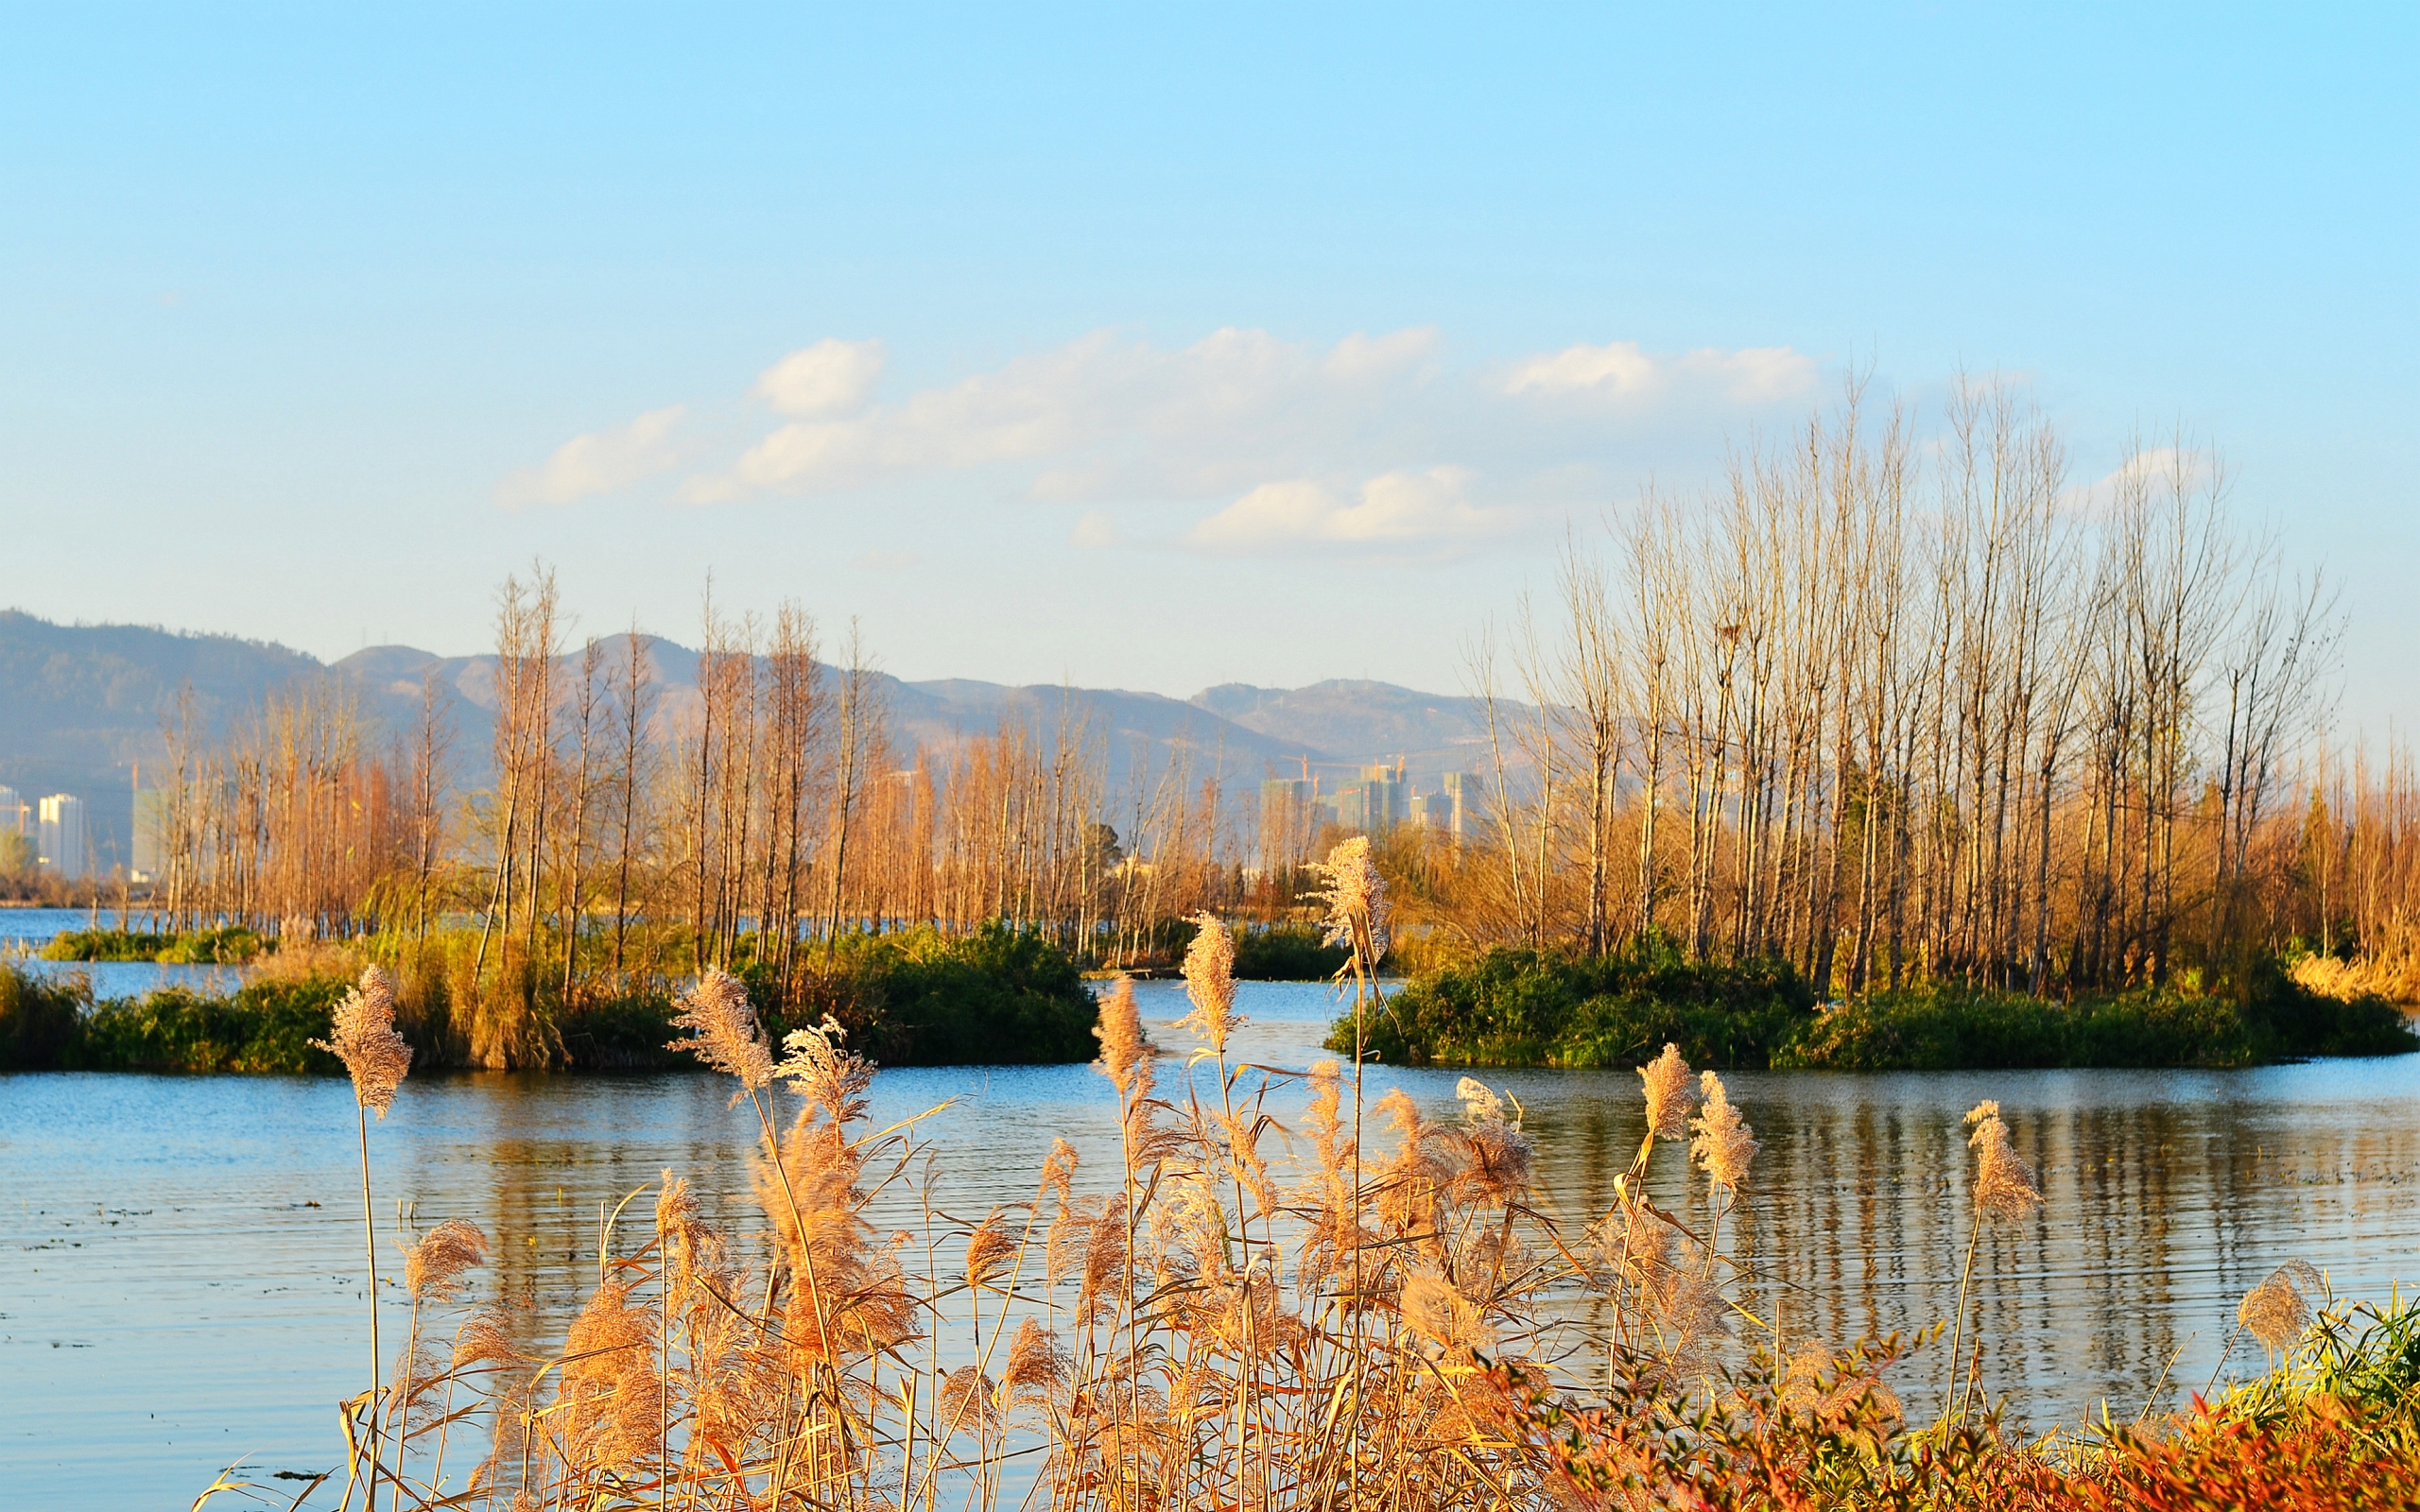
{"x":2005,"y":1191}
{"x":2276,"y":1312}
{"x":362,"y":1035}
{"x":1355,"y":897}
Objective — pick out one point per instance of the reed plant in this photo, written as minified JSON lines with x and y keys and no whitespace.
{"x":375,"y":1056}
{"x":1243,"y":1313}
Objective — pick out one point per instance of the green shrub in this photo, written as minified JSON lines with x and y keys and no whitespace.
{"x":1286,"y":953}
{"x":1517,"y":1007}
{"x":1523,"y":1009}
{"x":39,"y":1019}
{"x":1952,"y":1029}
{"x":918,"y":997}
{"x":264,"y":1026}
{"x":232,"y":946}
{"x":632,"y":1032}
{"x":103,"y":945}
{"x":2289,"y":1020}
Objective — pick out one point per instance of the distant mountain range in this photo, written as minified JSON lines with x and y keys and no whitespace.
{"x":81,"y":706}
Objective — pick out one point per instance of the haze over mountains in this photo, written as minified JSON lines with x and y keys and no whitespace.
{"x":82,"y":709}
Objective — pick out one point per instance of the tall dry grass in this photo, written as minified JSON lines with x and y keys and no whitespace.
{"x":1368,"y":1322}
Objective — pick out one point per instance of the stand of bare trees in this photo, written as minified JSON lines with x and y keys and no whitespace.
{"x":1897,"y":712}
{"x":624,"y":836}
{"x":288,"y":825}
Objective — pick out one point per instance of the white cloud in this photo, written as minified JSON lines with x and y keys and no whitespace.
{"x":832,"y":377}
{"x":1625,"y":372}
{"x":1360,"y":356}
{"x":2159,"y":471}
{"x":1269,"y":434}
{"x":1401,"y":509}
{"x":1107,"y":416}
{"x":1618,"y":370}
{"x":1753,"y":375}
{"x":600,"y":462}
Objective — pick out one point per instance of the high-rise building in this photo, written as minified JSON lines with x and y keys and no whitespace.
{"x":15,"y":817}
{"x":1386,"y":798}
{"x":1353,"y":809}
{"x":1455,"y":786}
{"x":61,"y":837}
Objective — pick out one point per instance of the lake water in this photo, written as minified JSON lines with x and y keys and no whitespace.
{"x":25,"y":931}
{"x":181,"y":1274}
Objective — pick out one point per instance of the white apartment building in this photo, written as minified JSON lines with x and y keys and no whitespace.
{"x":61,"y":837}
{"x":16,"y":816}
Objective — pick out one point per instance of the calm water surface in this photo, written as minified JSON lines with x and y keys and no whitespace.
{"x":25,"y":931}
{"x":180,"y":1270}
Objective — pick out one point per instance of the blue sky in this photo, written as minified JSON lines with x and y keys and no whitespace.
{"x":1140,"y":347}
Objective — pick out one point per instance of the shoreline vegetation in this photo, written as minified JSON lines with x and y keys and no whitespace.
{"x":991,"y":997}
{"x":1371,"y":1317}
{"x":918,"y":997}
{"x":1517,"y":1007}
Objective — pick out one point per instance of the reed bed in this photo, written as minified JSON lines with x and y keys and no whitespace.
{"x":1367,"y":1309}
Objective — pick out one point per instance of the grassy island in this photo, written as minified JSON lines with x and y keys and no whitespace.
{"x":232,"y":946}
{"x":916,"y":997}
{"x":1519,"y":1007}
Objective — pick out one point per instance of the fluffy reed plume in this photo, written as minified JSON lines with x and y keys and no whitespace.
{"x":433,"y":1270}
{"x":1671,"y":1095}
{"x":608,"y":1404}
{"x":1842,"y":1393}
{"x":1210,"y":983}
{"x":989,"y":1251}
{"x":2278,"y":1311}
{"x":1038,"y":1365}
{"x":1125,"y":1055}
{"x":1356,"y":897}
{"x":1444,"y":1318}
{"x":2005,"y":1189}
{"x":420,"y":1388}
{"x":724,"y":1032}
{"x":363,"y":1036}
{"x":847,"y":1301}
{"x":1059,"y":1170}
{"x":1724,"y":1145}
{"x":1497,"y":1158}
{"x":682,"y":1236}
{"x":820,"y":1069}
{"x":1480,"y":1104}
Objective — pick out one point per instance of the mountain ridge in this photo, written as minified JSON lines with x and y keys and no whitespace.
{"x":82,"y":709}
